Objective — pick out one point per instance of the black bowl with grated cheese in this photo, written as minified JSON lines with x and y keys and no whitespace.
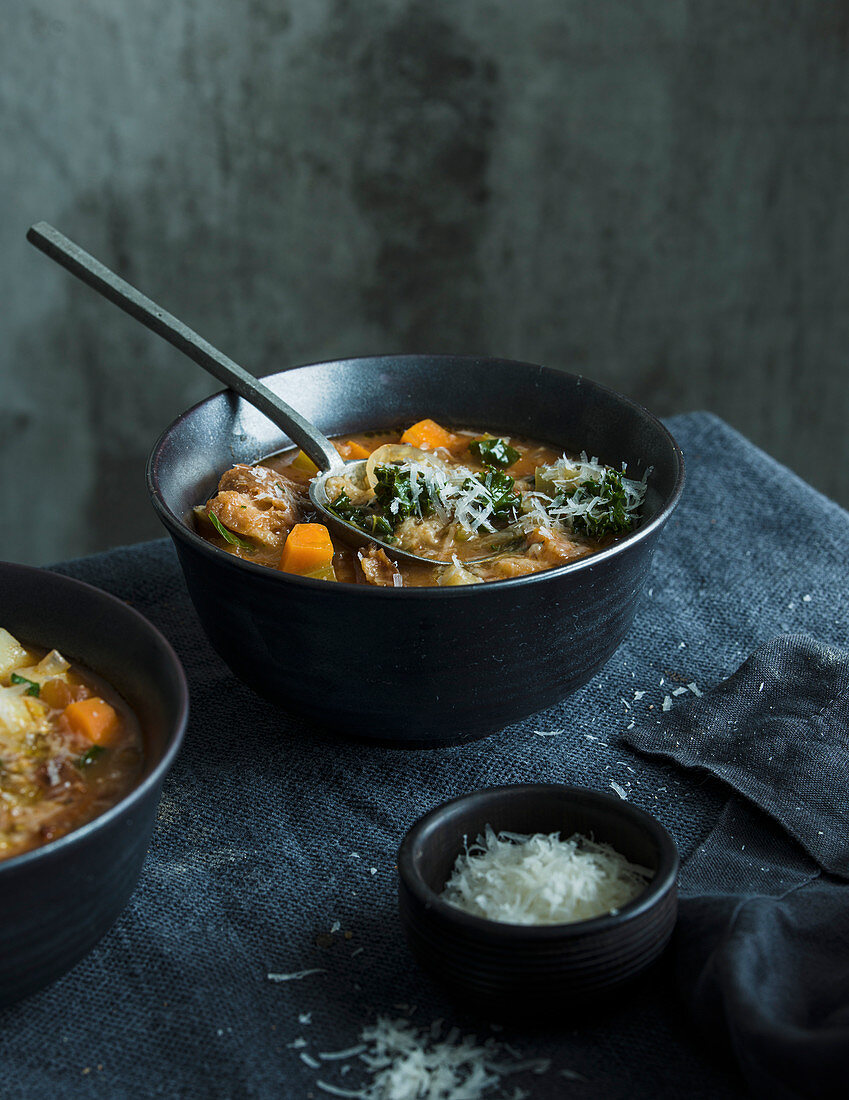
{"x":416,"y":666}
{"x":517,"y":968}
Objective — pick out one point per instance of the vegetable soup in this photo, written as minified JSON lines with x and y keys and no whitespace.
{"x":70,"y":748}
{"x":493,"y":507}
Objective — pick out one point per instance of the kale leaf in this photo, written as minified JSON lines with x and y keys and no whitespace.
{"x":500,"y":490}
{"x":361,"y":517}
{"x":608,"y":518}
{"x":494,"y":452}
{"x":393,"y":491}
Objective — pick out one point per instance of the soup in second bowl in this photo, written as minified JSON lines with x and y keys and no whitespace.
{"x":70,"y":748}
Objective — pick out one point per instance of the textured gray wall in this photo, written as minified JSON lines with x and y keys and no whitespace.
{"x":651,"y":192}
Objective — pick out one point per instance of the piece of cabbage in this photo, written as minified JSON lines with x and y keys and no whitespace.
{"x":20,"y":717}
{"x":12,"y":653}
{"x":456,"y":574}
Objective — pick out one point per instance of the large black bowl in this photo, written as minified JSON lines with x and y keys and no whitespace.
{"x":517,"y":968}
{"x":419,"y":666}
{"x":57,"y":901}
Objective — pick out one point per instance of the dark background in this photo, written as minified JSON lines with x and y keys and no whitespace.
{"x":650,"y":193}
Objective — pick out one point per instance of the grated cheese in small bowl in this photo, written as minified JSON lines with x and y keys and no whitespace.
{"x":540,"y":879}
{"x":523,"y":922}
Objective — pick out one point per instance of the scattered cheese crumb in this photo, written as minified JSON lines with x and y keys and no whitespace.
{"x":338,"y":1055}
{"x":308,"y":1061}
{"x":305,"y":1018}
{"x":695,"y":690}
{"x":680,"y":691}
{"x":335,"y":1091}
{"x":667,"y":702}
{"x":619,"y":790}
{"x":405,"y":1062}
{"x":295,"y":976}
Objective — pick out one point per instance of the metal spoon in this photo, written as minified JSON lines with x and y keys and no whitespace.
{"x":311,"y":441}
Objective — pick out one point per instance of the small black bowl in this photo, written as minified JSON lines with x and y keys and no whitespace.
{"x":416,"y":666}
{"x":516,"y":968}
{"x":58,"y":900}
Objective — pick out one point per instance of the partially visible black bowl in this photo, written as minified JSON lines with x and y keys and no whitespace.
{"x":416,"y":666}
{"x":58,"y":900}
{"x":522,"y":969}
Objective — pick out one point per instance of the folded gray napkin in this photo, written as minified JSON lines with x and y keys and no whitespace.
{"x":762,"y":946}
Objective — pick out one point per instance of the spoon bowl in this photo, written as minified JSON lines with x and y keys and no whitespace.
{"x":350,"y":533}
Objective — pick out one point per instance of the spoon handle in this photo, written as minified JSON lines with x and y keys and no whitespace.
{"x":59,"y":248}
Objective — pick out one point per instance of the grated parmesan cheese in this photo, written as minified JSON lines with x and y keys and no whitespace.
{"x":409,"y":1063}
{"x":453,"y":492}
{"x":542,"y":879}
{"x":455,"y":495}
{"x":567,"y":473}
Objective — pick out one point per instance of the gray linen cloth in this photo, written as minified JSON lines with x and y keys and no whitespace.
{"x":269,"y":834}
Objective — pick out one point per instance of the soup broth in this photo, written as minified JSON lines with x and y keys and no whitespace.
{"x":493,"y":507}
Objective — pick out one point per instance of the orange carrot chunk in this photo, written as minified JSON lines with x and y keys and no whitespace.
{"x":427,"y":435}
{"x":351,"y":449}
{"x":308,"y":552}
{"x":94,"y":718}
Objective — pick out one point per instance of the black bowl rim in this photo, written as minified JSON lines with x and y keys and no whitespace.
{"x":179,"y":529}
{"x":664,"y":880}
{"x":137,"y":794}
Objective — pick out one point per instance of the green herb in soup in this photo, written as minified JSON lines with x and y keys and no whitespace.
{"x":369,"y":521}
{"x":495,"y":507}
{"x":494,"y":452}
